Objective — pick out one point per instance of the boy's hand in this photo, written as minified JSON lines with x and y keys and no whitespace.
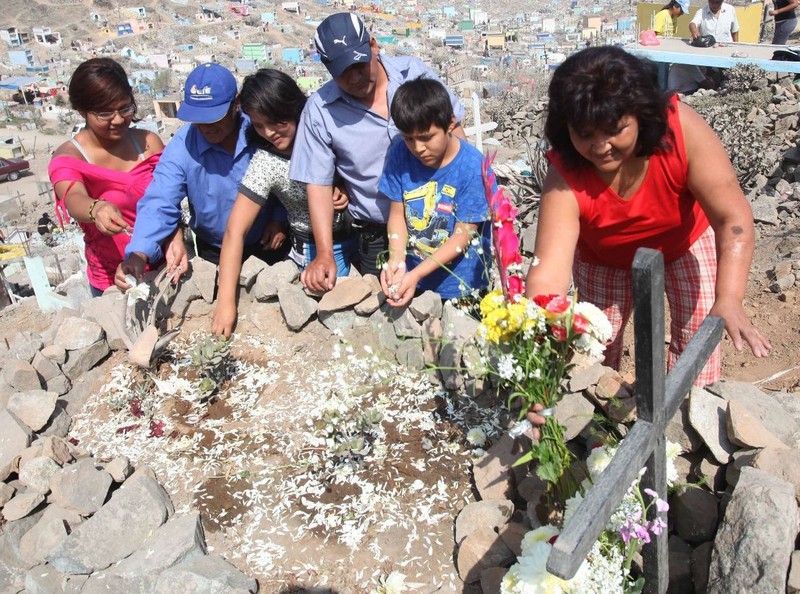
{"x":402,"y":292}
{"x":320,"y":274}
{"x":224,"y":319}
{"x":391,"y":276}
{"x":274,"y":235}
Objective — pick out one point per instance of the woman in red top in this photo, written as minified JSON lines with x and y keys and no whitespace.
{"x":101,"y":173}
{"x":633,"y":167}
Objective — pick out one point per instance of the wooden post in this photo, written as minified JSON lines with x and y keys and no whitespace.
{"x":657,"y":401}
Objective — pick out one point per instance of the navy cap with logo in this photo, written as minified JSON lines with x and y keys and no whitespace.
{"x":342,"y":40}
{"x":208,"y":93}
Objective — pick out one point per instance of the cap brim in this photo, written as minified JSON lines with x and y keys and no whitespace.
{"x":202,"y":115}
{"x":338,"y":65}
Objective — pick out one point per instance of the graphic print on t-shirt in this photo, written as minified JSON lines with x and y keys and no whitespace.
{"x":429,"y":216}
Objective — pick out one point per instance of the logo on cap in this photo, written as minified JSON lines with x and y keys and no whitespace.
{"x":200,"y":92}
{"x":358,"y":55}
{"x":343,"y":40}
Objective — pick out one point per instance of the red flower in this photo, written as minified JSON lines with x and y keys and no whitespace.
{"x":127,"y":428}
{"x":553,"y":539}
{"x":580,"y":325}
{"x":559,"y":333}
{"x":558,"y":304}
{"x":543,"y":300}
{"x":516,"y":286}
{"x":136,"y":407}
{"x":156,"y":428}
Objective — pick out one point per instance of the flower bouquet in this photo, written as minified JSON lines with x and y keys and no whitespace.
{"x":530,"y":343}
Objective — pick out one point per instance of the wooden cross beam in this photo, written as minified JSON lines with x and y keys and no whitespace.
{"x":657,"y":400}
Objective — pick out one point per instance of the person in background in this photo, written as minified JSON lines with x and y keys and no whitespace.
{"x":438,"y":203}
{"x":273,"y":102}
{"x":664,"y":21}
{"x":103,"y":171}
{"x":717,"y":19}
{"x":346,"y":128}
{"x":204,"y":162}
{"x":45,"y":224}
{"x":785,"y":20}
{"x":631,"y":166}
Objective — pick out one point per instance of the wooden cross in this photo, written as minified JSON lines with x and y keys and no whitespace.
{"x":657,"y":400}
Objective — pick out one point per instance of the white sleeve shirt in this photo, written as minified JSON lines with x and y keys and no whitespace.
{"x":721,"y":26}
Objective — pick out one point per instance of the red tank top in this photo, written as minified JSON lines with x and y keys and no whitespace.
{"x":662,"y":214}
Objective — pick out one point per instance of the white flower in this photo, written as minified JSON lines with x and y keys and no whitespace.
{"x":138,"y":292}
{"x":571,"y":506}
{"x":589,"y":345}
{"x":541,"y":534}
{"x":601,"y":327}
{"x":506,"y":366}
{"x":598,"y":459}
{"x":476,"y":437}
{"x":673,"y":450}
{"x":394,"y":583}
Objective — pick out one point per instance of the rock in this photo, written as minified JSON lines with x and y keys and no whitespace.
{"x":780,"y":463}
{"x":747,"y":431}
{"x":679,"y":430}
{"x":82,"y":360}
{"x":489,"y":513}
{"x":612,"y":386}
{"x":205,"y":575}
{"x":583,"y":376}
{"x":431,"y":340}
{"x":46,"y":368}
{"x":59,"y":423}
{"x":338,"y":321}
{"x":11,"y":562}
{"x":297,"y":308}
{"x":21,"y":505}
{"x":56,"y":448}
{"x":80,"y":487}
{"x":680,"y":576}
{"x":494,"y":473}
{"x":15,"y":436}
{"x":755,"y":540}
{"x":710,"y":472}
{"x":575,"y":413}
{"x":458,"y":329}
{"x":33,"y":407}
{"x":110,"y":535}
{"x":763,"y":406}
{"x":251,"y":268}
{"x":707,"y":416}
{"x":37,"y":542}
{"x":701,"y":560}
{"x":409,"y":354}
{"x":36,"y":474}
{"x":765,"y":210}
{"x":695,"y":514}
{"x":56,"y":353}
{"x":43,"y":579}
{"x":481,"y":550}
{"x":20,"y":375}
{"x":512,"y":534}
{"x":180,"y":539}
{"x":491,"y":579}
{"x":371,"y":304}
{"x":403,"y":322}
{"x":119,"y":468}
{"x":204,"y":275}
{"x":347,"y":293}
{"x":425,"y":306}
{"x":6,"y":493}
{"x":25,"y":345}
{"x":77,"y":333}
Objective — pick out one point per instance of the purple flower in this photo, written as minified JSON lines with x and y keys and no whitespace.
{"x":657,"y":526}
{"x":632,"y":529}
{"x":661,"y":505}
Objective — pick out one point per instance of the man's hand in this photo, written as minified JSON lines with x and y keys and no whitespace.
{"x":133,"y":266}
{"x":320,"y":275}
{"x":224,"y":319}
{"x":340,"y":198}
{"x":108,"y":219}
{"x":275,"y":234}
{"x":176,"y":256}
{"x":536,"y":419}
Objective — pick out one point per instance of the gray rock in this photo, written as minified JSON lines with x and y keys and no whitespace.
{"x":755,"y":540}
{"x":205,"y":575}
{"x":82,"y":360}
{"x":747,"y":431}
{"x":36,"y":473}
{"x":585,"y":374}
{"x":6,"y":493}
{"x":347,"y":293}
{"x":575,"y":413}
{"x":679,"y":430}
{"x":264,"y":288}
{"x":45,"y":536}
{"x":707,"y":416}
{"x":20,"y":375}
{"x":482,"y":549}
{"x":11,"y":562}
{"x":111,"y":535}
{"x":680,"y":557}
{"x":78,"y":333}
{"x":25,"y":345}
{"x":793,"y":582}
{"x":33,"y":407}
{"x":701,"y":560}
{"x":204,"y":275}
{"x":425,"y":306}
{"x":403,"y":322}
{"x":43,"y":579}
{"x":108,"y":311}
{"x":695,"y":514}
{"x":119,"y":468}
{"x":15,"y":436}
{"x":370,"y":305}
{"x":431,"y":340}
{"x":494,"y":473}
{"x":283,"y":273}
{"x":491,"y":513}
{"x":338,"y":321}
{"x":409,"y":354}
{"x":56,"y":353}
{"x":80,"y":487}
{"x":56,"y":448}
{"x":297,"y":307}
{"x":251,"y":268}
{"x":21,"y":505}
{"x":46,"y":368}
{"x":781,"y":463}
{"x":59,"y":423}
{"x":765,"y":209}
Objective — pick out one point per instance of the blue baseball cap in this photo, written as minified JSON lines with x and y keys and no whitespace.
{"x":207,"y":95}
{"x":684,"y":4}
{"x":342,"y":40}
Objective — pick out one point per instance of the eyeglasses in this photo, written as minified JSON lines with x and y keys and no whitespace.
{"x":107,"y":116}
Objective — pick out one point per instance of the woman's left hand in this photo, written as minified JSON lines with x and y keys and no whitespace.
{"x":740,"y":329}
{"x":108,"y":219}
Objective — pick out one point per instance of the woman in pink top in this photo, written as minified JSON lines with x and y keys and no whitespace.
{"x":633,"y":167}
{"x":101,"y":173}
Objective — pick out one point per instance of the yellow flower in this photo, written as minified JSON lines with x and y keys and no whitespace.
{"x":491,"y":302}
{"x":517,"y":312}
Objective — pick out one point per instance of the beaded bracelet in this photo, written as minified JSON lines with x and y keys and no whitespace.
{"x":91,"y":210}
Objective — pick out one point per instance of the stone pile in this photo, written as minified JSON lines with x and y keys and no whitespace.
{"x":72,"y":523}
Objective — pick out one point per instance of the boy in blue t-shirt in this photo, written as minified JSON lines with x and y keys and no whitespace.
{"x":439,"y":207}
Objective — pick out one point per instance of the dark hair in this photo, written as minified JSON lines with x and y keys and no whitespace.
{"x":672,"y":4}
{"x":594,"y":89}
{"x":272,"y":94}
{"x":421,"y":103}
{"x":99,"y":83}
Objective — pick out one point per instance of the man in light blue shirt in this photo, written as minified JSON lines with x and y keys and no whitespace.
{"x":204,"y":161}
{"x":346,"y":128}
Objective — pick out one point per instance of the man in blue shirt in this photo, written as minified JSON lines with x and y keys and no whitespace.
{"x":205,"y":162}
{"x":346,"y":128}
